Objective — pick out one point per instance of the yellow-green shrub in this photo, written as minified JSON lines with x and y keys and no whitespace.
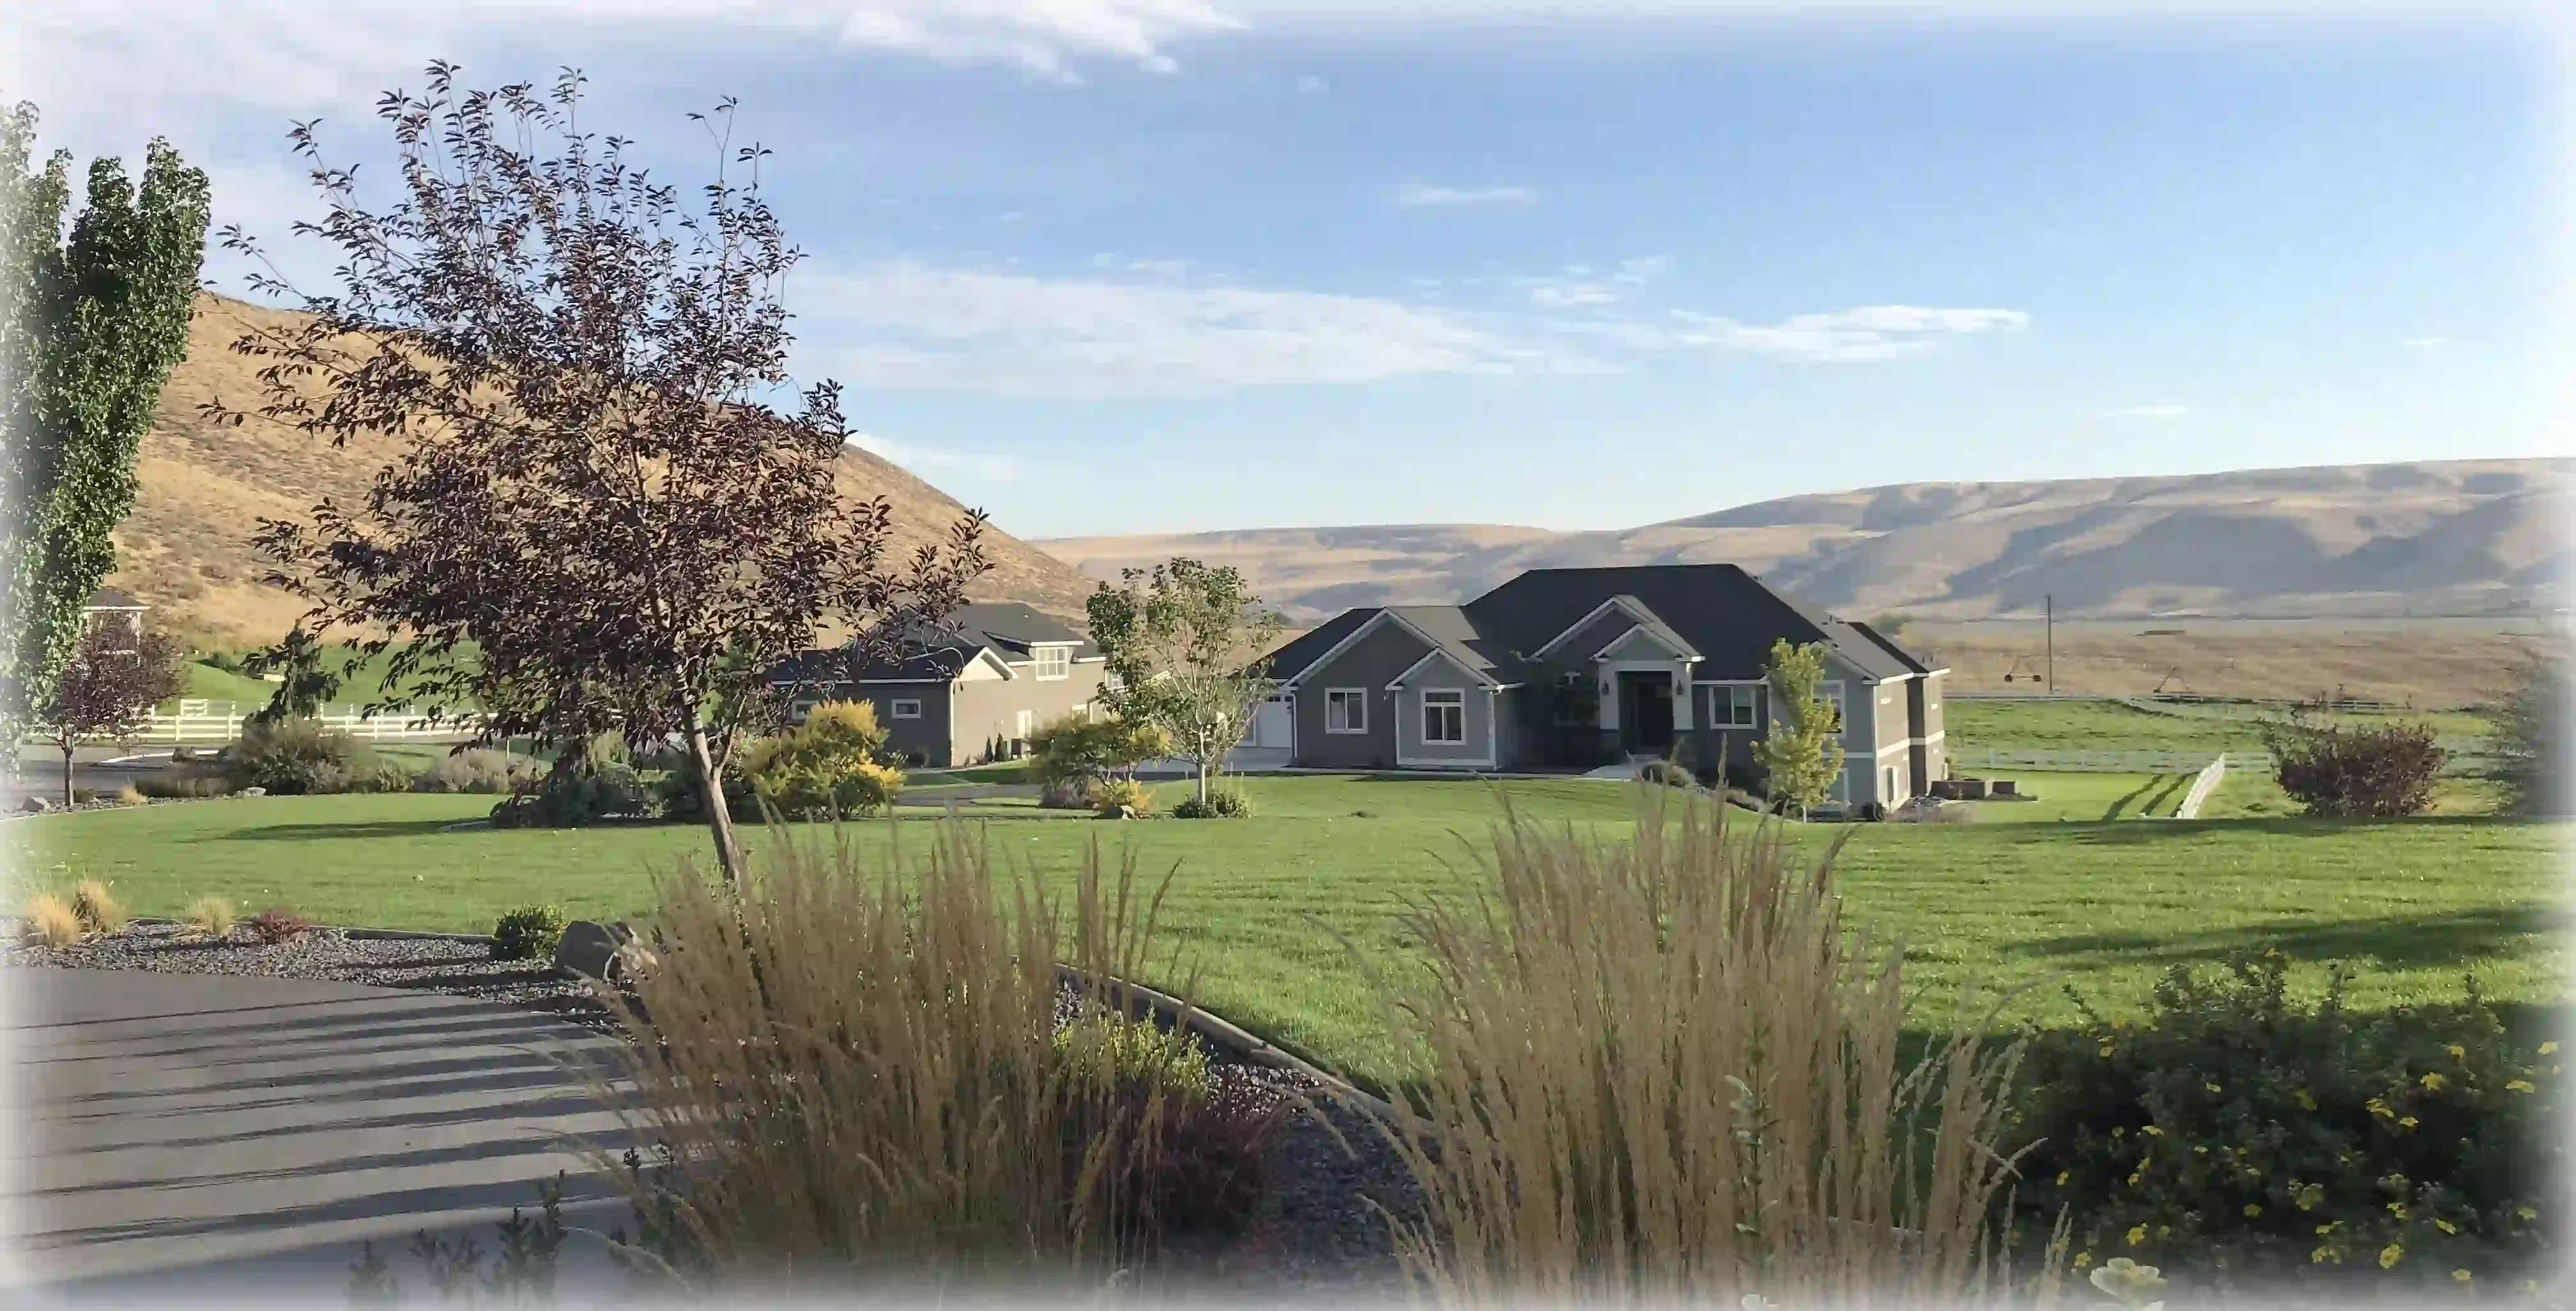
{"x":1108,"y":797}
{"x":50,"y":921}
{"x":826,"y":767}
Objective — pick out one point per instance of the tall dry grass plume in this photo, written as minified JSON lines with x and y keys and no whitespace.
{"x":51,"y":921}
{"x":1662,"y":1071}
{"x":850,"y":1069}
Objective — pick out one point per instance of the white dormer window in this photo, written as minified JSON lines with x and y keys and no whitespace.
{"x":1054,"y":661}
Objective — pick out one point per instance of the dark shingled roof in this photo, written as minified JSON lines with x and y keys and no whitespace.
{"x":1006,"y":628}
{"x":1727,"y":615}
{"x":1011,"y":628}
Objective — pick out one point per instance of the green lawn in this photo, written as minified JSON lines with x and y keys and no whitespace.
{"x":2073,"y":725}
{"x":361,"y":685}
{"x":1256,"y":902}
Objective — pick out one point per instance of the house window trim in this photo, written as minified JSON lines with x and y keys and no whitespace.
{"x":1058,"y":654}
{"x":1448,"y":698}
{"x":895,"y":708}
{"x":1347,"y":697}
{"x":1722,"y":707}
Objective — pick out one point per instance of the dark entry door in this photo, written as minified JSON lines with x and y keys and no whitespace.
{"x":1646,"y":712}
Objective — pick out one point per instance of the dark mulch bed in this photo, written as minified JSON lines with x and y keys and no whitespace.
{"x":1314,"y":1228}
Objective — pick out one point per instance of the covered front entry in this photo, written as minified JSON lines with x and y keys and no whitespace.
{"x":1645,"y":712}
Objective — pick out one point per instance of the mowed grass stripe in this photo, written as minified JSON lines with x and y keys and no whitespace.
{"x":1256,"y":904}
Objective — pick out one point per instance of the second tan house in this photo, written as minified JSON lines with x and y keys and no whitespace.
{"x":983,"y":680}
{"x":1574,"y":668}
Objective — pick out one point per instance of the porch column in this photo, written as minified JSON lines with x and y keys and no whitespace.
{"x":1682,"y":697}
{"x":1607,"y":684}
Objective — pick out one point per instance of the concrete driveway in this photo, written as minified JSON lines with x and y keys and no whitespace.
{"x":183,"y":1134}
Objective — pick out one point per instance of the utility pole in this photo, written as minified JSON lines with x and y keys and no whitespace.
{"x":2048,"y":611}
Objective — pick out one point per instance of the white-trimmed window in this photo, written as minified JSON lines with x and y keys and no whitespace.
{"x":1022,"y":723}
{"x":1345,"y":710}
{"x":1444,"y":718}
{"x":1831,"y":693}
{"x":1053,"y":661}
{"x":906,"y":708}
{"x":1737,"y":706}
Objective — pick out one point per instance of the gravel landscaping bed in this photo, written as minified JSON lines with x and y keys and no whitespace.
{"x":1314,"y":1227}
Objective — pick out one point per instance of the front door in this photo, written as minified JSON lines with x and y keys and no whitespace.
{"x":1646,"y":713}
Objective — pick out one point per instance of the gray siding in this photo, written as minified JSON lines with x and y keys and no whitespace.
{"x":1601,"y":632}
{"x":925,"y":738}
{"x":1369,"y":664}
{"x":1476,"y":718}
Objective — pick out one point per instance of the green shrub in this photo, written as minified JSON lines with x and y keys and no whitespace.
{"x":1110,"y":1048}
{"x":2240,"y":1140}
{"x":588,"y":783}
{"x":2339,"y":772}
{"x":1120,"y":1075}
{"x":480,"y":770}
{"x":1078,"y":748}
{"x":527,"y":933}
{"x":1221,"y":803}
{"x":1137,"y":798}
{"x":826,"y":767}
{"x":676,"y":795}
{"x":289,"y":757}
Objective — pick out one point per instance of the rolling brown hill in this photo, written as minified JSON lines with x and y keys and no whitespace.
{"x":186,"y":548}
{"x":2457,"y":537}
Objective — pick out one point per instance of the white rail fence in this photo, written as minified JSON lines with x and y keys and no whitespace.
{"x":2094,"y":762}
{"x":2201,"y":787}
{"x":221,"y":721}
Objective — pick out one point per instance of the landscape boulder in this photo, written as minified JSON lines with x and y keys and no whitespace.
{"x":35,"y":805}
{"x":252,"y":792}
{"x":591,"y":949}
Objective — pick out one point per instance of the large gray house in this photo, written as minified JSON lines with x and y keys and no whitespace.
{"x":1563,"y":668}
{"x":983,"y":678}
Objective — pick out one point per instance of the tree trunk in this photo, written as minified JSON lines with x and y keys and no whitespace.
{"x":68,"y":748}
{"x":719,"y":820}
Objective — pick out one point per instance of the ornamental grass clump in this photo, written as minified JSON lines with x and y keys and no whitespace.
{"x":49,"y":920}
{"x":1662,"y":1070}
{"x":850,"y":1069}
{"x":97,"y":907}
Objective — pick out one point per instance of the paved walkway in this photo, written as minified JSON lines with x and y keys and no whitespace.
{"x":177,"y":1133}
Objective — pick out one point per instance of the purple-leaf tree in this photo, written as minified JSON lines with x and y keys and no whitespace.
{"x":108,"y":690}
{"x":612,"y":513}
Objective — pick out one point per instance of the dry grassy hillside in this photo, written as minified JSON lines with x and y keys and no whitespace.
{"x":2454,"y":537}
{"x":186,"y":547}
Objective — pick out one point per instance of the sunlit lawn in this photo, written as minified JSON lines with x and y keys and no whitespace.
{"x":1258,"y":903}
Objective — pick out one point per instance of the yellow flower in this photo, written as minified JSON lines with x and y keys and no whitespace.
{"x":2198,"y":1150}
{"x":2307,"y":1100}
{"x":2549,"y":1049}
{"x":2317,"y":1257}
{"x":2408,"y":1122}
{"x":2133,"y":1179}
{"x":2390,"y":1255}
{"x":2152,"y":1132}
{"x":2397,"y":1209}
{"x":2083,"y":1259}
{"x":2061,"y":1177}
{"x":2458,"y":1052}
{"x":2446,"y":1226}
{"x":2459,"y":1276}
{"x":2137,"y":1235}
{"x":2519,"y":1085}
{"x":2526,"y":1213}
{"x":2251,"y":1210}
{"x":2432,"y":1081}
{"x":2210,"y":1086}
{"x":2379,"y":1108}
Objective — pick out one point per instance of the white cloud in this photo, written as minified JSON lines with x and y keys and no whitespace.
{"x":1867,"y":333}
{"x":2149,"y":412}
{"x":927,"y":460}
{"x":1572,"y":295}
{"x":1041,"y":36}
{"x":2424,"y":343}
{"x":1311,"y":85}
{"x":907,"y":324}
{"x":1418,"y":195}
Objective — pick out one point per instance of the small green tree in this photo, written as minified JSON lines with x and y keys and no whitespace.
{"x":308,"y":679}
{"x":91,"y":324}
{"x":2527,"y":739}
{"x":1803,"y":751}
{"x":1183,"y":647}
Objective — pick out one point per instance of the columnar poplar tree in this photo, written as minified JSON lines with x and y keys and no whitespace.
{"x":90,"y":326}
{"x":599,"y":522}
{"x":1803,"y":750}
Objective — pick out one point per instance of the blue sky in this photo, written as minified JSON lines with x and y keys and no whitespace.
{"x":1108,"y":266}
